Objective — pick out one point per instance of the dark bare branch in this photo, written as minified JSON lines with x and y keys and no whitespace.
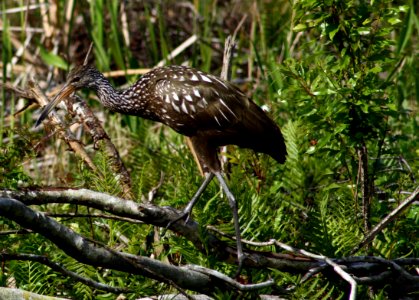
{"x":160,"y":216}
{"x":87,"y":252}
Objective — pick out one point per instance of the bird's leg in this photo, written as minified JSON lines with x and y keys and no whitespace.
{"x":233,"y":204}
{"x":188,"y":209}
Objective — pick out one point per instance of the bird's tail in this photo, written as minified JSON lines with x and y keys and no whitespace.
{"x":264,"y":134}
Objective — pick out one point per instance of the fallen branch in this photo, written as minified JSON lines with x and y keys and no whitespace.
{"x":369,"y":269}
{"x":85,"y":251}
{"x":160,"y":216}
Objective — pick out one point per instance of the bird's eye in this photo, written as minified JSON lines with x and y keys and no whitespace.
{"x":76,"y":79}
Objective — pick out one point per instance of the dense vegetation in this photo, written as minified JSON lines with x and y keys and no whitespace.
{"x":339,"y":77}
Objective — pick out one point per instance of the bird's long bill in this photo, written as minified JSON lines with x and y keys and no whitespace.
{"x":65,"y":91}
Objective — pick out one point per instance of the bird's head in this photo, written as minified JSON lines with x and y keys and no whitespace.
{"x":79,"y":77}
{"x":82,"y":76}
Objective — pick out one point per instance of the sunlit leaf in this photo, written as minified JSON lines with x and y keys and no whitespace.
{"x":53,"y":59}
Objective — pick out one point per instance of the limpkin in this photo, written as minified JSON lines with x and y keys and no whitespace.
{"x":210,"y":111}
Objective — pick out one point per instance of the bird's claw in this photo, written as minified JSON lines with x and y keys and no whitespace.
{"x":185,"y":215}
{"x":240,"y":261}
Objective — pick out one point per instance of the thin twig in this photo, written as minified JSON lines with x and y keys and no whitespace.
{"x":152,"y":193}
{"x":101,"y":140}
{"x":221,"y":276}
{"x":21,"y":93}
{"x":411,"y":173}
{"x":229,"y":45}
{"x":390,"y":217}
{"x":402,"y":273}
{"x":311,"y":273}
{"x":22,"y":8}
{"x":376,"y":278}
{"x":189,"y":42}
{"x":86,"y":58}
{"x":64,"y":134}
{"x":118,"y":73}
{"x":365,"y":186}
{"x":20,"y":231}
{"x":338,"y":269}
{"x":124,"y":23}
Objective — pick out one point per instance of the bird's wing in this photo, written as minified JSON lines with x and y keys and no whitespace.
{"x":202,"y":100}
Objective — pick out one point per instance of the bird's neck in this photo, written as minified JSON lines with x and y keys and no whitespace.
{"x":111,"y":98}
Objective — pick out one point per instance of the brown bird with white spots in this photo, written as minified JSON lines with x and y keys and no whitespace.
{"x":210,"y":111}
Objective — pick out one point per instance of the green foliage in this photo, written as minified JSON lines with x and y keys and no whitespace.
{"x":53,"y":59}
{"x":101,"y":180}
{"x":12,"y":154}
{"x":6,"y":54}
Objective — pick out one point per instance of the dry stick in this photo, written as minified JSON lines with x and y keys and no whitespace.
{"x":380,"y":260}
{"x":102,"y":140}
{"x":16,"y":42}
{"x":118,"y":73}
{"x":86,"y":58}
{"x":229,"y":45}
{"x":153,"y":191}
{"x":20,"y":231}
{"x":189,"y":42}
{"x":411,"y":173}
{"x":60,"y":269}
{"x":365,"y":187}
{"x":390,"y":217}
{"x":64,"y":134}
{"x":34,"y":93}
{"x":338,"y":269}
{"x":68,"y":8}
{"x":48,"y":29}
{"x":135,"y":260}
{"x":124,"y":23}
{"x":21,"y":93}
{"x":22,"y":8}
{"x":358,"y":179}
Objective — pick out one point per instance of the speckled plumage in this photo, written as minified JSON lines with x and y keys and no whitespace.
{"x":209,"y":110}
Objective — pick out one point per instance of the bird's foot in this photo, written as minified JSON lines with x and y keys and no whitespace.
{"x":186,"y":214}
{"x":240,"y":259}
